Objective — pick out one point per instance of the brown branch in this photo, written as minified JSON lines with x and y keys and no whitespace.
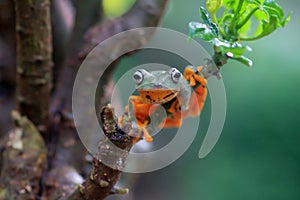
{"x":34,"y":48}
{"x":69,"y":37}
{"x":87,"y":15}
{"x":62,"y":18}
{"x":102,"y":178}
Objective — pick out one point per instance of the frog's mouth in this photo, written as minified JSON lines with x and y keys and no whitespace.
{"x":158,"y":96}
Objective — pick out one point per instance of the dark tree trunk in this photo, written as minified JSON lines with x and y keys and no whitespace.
{"x":34,"y":63}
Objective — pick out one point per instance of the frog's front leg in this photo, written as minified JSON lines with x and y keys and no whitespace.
{"x":140,"y":112}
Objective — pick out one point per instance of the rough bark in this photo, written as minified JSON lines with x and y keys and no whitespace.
{"x":102,"y":178}
{"x":34,"y":52}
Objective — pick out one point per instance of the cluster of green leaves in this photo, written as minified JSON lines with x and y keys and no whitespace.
{"x":227,"y":32}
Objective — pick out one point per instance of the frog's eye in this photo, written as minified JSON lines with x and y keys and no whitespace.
{"x":138,"y":77}
{"x":175,"y":75}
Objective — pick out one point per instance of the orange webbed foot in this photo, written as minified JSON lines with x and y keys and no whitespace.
{"x":191,"y":74}
{"x":142,"y":130}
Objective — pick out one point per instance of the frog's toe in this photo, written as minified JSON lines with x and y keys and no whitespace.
{"x":147,"y":136}
{"x":135,"y":140}
{"x":142,"y":129}
{"x":120,"y":121}
{"x":136,"y":134}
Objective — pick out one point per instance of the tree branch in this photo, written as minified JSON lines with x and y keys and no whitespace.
{"x":62,"y":18}
{"x":87,"y":15}
{"x":34,"y":51}
{"x":102,"y":178}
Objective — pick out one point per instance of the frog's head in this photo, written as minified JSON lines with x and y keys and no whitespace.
{"x":158,"y":86}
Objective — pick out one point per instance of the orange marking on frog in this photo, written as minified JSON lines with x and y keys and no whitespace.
{"x":159,"y":96}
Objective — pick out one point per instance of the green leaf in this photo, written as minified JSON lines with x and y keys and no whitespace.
{"x":208,"y":21}
{"x":243,"y":31}
{"x":273,"y":8}
{"x":201,"y":30}
{"x":269,"y":26}
{"x":230,"y":4}
{"x":255,"y":2}
{"x":286,"y":19}
{"x":266,"y":28}
{"x":227,"y":17}
{"x":235,"y":24}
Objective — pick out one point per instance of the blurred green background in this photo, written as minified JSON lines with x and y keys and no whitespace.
{"x":258,"y":153}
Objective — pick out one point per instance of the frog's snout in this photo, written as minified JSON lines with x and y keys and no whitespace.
{"x":157,"y":86}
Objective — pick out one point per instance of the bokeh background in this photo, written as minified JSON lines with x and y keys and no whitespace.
{"x":258,"y":153}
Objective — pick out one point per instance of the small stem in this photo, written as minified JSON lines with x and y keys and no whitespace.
{"x":233,"y":22}
{"x":215,"y":20}
{"x":252,"y":38}
{"x":240,"y":25}
{"x":214,"y":17}
{"x":222,"y":32}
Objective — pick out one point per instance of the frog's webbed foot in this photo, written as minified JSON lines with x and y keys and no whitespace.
{"x":121,"y":118}
{"x":142,"y":130}
{"x":192,"y":75}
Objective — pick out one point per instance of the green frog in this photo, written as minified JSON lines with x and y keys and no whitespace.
{"x":181,"y":95}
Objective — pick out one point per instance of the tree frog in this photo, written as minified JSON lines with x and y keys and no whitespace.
{"x":181,"y":95}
